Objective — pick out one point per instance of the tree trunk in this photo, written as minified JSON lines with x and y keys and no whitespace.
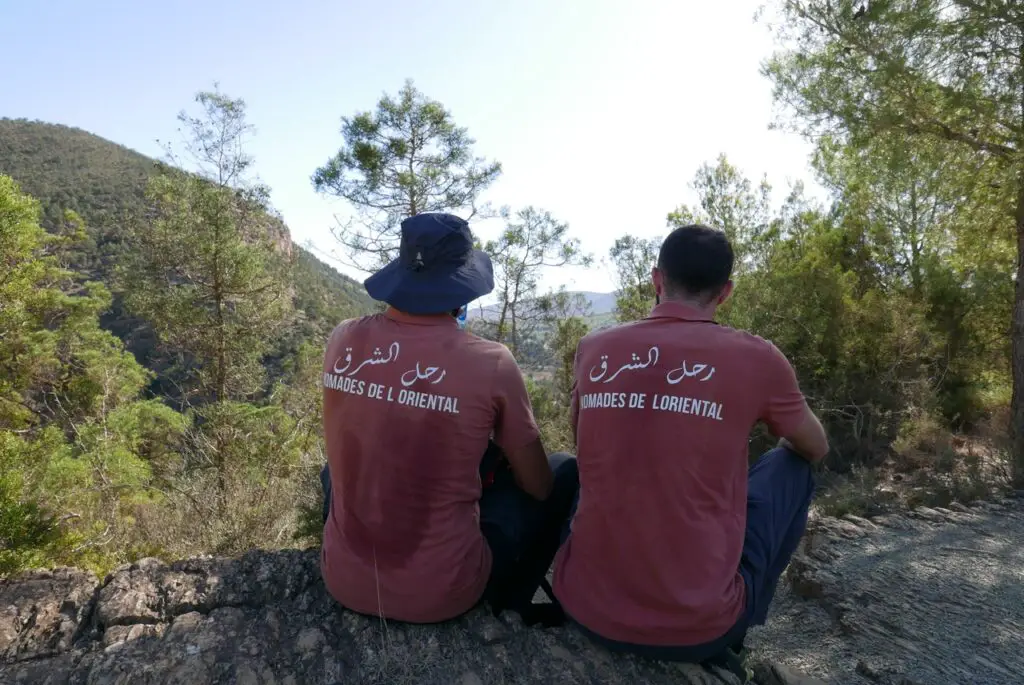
{"x":502,"y":317}
{"x":515,"y":336}
{"x":220,"y":381}
{"x":1017,"y":342}
{"x":1017,"y":326}
{"x":915,"y":247}
{"x":414,"y":208}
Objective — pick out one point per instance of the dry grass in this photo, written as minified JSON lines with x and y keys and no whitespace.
{"x":272,"y":514}
{"x":929,"y":466}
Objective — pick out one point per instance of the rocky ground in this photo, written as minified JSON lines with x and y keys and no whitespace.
{"x":935,"y":597}
{"x":931,"y":598}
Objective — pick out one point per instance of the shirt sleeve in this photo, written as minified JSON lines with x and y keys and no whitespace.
{"x":784,"y":406}
{"x":514,"y":425}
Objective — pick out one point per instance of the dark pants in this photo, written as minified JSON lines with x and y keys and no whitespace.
{"x":780,"y":489}
{"x":523,"y":533}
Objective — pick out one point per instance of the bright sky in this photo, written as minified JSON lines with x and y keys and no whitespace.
{"x":599,"y":110}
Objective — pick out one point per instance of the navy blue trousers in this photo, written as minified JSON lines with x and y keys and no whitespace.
{"x":523,"y":533}
{"x":780,"y":490}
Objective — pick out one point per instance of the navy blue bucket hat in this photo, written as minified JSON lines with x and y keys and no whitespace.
{"x":437,"y":269}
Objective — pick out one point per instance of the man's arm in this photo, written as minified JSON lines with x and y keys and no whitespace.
{"x":787,"y":413}
{"x":808,"y":440}
{"x":531,"y":469}
{"x":516,"y":432}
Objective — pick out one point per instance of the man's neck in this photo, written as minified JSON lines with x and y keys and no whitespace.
{"x":425,"y":317}
{"x":692,"y":303}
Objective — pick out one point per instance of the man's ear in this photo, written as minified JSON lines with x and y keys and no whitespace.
{"x":724,"y":295}
{"x":659,"y":283}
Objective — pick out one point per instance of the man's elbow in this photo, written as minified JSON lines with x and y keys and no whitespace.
{"x":537,"y":486}
{"x":816,"y":456}
{"x":532,"y":471}
{"x":822,"y":446}
{"x":810,"y":442}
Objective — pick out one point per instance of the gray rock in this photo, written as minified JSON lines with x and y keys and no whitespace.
{"x":265,"y":619}
{"x":928,"y":514}
{"x":43,"y":613}
{"x":861,"y":522}
{"x":931,"y":596}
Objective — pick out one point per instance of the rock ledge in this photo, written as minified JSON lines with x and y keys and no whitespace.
{"x":264,"y":619}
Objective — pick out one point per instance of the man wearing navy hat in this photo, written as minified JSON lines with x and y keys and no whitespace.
{"x":412,"y":404}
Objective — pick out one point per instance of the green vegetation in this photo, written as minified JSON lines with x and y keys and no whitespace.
{"x":532,"y":241}
{"x":78,"y":442}
{"x":404,"y":158}
{"x":923,"y":101}
{"x":633,"y":258}
{"x":105,"y":183}
{"x":204,"y":265}
{"x":214,"y":445}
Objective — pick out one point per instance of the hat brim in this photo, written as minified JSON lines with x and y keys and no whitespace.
{"x":434,"y":291}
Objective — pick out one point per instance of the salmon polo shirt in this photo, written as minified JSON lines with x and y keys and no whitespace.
{"x":663,"y":410}
{"x":409,"y":405}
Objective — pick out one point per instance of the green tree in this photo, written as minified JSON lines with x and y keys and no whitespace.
{"x":406,"y":157}
{"x":550,"y":397}
{"x":924,"y":70}
{"x":917,"y":206}
{"x":208,"y":271}
{"x":566,"y":338}
{"x":532,"y":241}
{"x":206,"y":268}
{"x":729,"y":201}
{"x":49,"y":326}
{"x":810,"y":285}
{"x":76,"y":447}
{"x":633,"y":259}
{"x":910,"y":196}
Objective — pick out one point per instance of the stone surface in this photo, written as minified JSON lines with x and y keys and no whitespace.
{"x":43,"y":613}
{"x":935,"y":596}
{"x":265,"y":619}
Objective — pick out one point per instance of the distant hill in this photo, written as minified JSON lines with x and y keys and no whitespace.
{"x":68,"y":168}
{"x":534,"y":350}
{"x":600,"y":305}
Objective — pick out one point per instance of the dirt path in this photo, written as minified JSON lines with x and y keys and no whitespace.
{"x":935,"y":597}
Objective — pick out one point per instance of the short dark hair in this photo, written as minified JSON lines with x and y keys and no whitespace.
{"x":695,"y":261}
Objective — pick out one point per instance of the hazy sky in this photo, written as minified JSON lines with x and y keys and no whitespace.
{"x":599,"y":110}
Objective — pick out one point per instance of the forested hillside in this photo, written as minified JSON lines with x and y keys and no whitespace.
{"x":67,"y":168}
{"x":160,"y":342}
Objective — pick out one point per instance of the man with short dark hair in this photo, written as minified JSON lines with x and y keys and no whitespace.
{"x":675,"y":547}
{"x":419,"y":417}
